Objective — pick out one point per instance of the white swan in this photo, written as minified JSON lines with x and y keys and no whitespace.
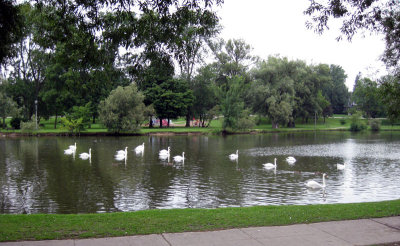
{"x":341,"y":166}
{"x":69,"y":151}
{"x":85,"y":156}
{"x":73,"y":147}
{"x":291,"y":159}
{"x":315,"y":185}
{"x":164,"y":157}
{"x":270,"y":165}
{"x":234,"y":156}
{"x":121,"y":152}
{"x":179,"y":158}
{"x":165,"y":151}
{"x":139,"y":148}
{"x":122,"y":155}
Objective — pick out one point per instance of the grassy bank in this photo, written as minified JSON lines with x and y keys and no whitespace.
{"x":338,"y":122}
{"x":48,"y":226}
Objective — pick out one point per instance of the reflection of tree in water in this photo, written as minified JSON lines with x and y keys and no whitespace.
{"x":24,"y":179}
{"x":79,"y":187}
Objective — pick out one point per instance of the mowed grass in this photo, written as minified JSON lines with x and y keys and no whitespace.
{"x":58,"y":226}
{"x":337,"y":122}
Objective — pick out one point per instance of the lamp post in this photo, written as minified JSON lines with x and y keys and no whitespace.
{"x":36,"y":113}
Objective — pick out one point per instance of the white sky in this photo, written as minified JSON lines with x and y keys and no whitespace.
{"x":278,"y":27}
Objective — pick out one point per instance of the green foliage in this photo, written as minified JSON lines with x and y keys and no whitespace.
{"x":232,"y":104}
{"x":245,"y":122}
{"x":29,"y":126}
{"x":73,"y":125}
{"x":10,"y":28}
{"x":272,"y":92}
{"x":334,"y":89}
{"x":375,"y":125}
{"x":389,"y":92}
{"x":210,"y":115}
{"x":367,"y":98}
{"x":342,"y":121}
{"x":372,"y":15}
{"x":7,"y":107}
{"x":357,"y":124}
{"x":205,"y":94}
{"x":172,"y":99}
{"x":81,"y":112}
{"x":123,"y":109}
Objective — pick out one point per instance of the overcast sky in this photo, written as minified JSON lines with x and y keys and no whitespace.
{"x":278,"y":27}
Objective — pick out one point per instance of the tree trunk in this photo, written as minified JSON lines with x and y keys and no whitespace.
{"x":168,"y":122}
{"x":160,"y":123}
{"x":55,"y":122}
{"x":187,"y":120}
{"x":94,"y":119}
{"x":4,"y":122}
{"x":151,"y":122}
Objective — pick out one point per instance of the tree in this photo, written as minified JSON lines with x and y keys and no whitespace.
{"x":205,"y":94}
{"x":307,"y":81}
{"x":11,"y":24}
{"x":367,"y":98}
{"x":389,"y":91}
{"x":7,"y":107}
{"x":195,"y":28}
{"x":324,"y":106}
{"x":172,"y":99}
{"x":232,"y":103}
{"x":273,"y":90}
{"x":335,"y":89}
{"x":366,"y":15}
{"x":123,"y":109}
{"x":233,"y":59}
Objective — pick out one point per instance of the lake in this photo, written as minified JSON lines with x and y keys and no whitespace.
{"x":37,"y":177}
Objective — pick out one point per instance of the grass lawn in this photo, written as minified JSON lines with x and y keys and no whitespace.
{"x":337,"y":122}
{"x":59,"y":226}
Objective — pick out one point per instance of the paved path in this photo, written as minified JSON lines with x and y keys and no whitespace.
{"x":351,"y":232}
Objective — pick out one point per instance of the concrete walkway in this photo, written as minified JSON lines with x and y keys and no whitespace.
{"x":351,"y":232}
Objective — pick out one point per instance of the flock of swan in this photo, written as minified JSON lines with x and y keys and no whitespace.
{"x":164,"y":154}
{"x":120,"y":155}
{"x":72,"y":150}
{"x":291,"y":160}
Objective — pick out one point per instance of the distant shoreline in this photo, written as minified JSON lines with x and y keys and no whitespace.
{"x":171,"y":132}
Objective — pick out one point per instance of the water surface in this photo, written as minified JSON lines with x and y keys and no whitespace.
{"x":37,"y":177}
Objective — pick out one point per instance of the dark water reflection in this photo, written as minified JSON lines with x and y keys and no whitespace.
{"x":37,"y":177}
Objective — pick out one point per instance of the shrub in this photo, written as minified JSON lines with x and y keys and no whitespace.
{"x":80,"y":112}
{"x":123,"y":109}
{"x":342,"y":121}
{"x":375,"y":125}
{"x":29,"y":126}
{"x":356,"y":123}
{"x":245,"y":123}
{"x":16,"y":123}
{"x":73,"y":125}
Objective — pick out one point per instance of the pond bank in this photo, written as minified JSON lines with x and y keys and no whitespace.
{"x":173,"y":132}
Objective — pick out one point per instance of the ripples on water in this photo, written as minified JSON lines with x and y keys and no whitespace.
{"x":36,"y":177}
